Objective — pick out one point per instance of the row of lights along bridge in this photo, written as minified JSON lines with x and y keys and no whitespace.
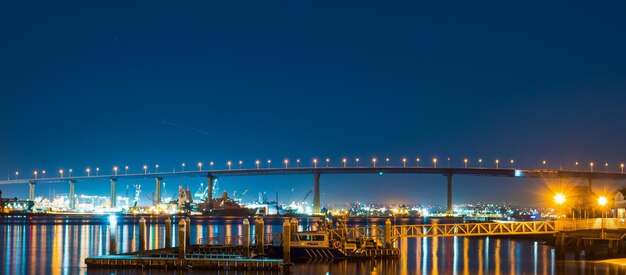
{"x":315,"y":162}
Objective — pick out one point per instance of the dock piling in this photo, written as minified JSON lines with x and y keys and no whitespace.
{"x":388,"y":233}
{"x":168,"y":232}
{"x":259,"y":230}
{"x":246,"y":238}
{"x":182,"y":243}
{"x":142,"y":234}
{"x":188,"y":232}
{"x":287,"y":242}
{"x":294,"y":225}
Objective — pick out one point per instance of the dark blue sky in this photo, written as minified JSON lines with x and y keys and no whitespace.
{"x":83,"y":84}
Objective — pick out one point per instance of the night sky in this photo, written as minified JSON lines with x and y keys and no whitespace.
{"x":86,"y":85}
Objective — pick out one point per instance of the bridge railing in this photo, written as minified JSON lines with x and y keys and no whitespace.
{"x":585,"y":224}
{"x":473,"y":229}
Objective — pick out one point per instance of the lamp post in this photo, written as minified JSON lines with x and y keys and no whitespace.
{"x":327,"y":162}
{"x":182,"y":166}
{"x":70,"y":172}
{"x":435,"y":162}
{"x":229,"y":163}
{"x":622,"y":166}
{"x":465,"y":162}
{"x":35,"y":173}
{"x":298,"y":163}
{"x":417,"y":160}
{"x":374,"y":161}
{"x":43,"y":174}
{"x":512,"y":163}
{"x":606,"y":167}
{"x":145,"y":169}
{"x":97,"y":171}
{"x":576,"y":165}
{"x":559,"y":199}
{"x":126,"y":168}
{"x":115,"y":170}
{"x":156,"y":167}
{"x":286,"y":163}
{"x":211,"y":165}
{"x":480,"y":163}
{"x":88,"y":171}
{"x":497,"y":164}
{"x":357,"y":162}
{"x":269,"y":161}
{"x":543,"y":163}
{"x":404,"y":162}
{"x":61,"y":173}
{"x":344,"y":160}
{"x":257,"y":162}
{"x":591,"y":166}
{"x":315,"y":163}
{"x":240,"y":164}
{"x":602,"y":201}
{"x":16,"y":174}
{"x":387,"y":159}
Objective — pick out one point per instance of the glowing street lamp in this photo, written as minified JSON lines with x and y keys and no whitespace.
{"x":417,"y":160}
{"x":606,"y":167}
{"x":315,"y":163}
{"x":97,"y":171}
{"x":298,"y":163}
{"x":269,"y":161}
{"x":240,"y":163}
{"x":43,"y":174}
{"x":183,"y":166}
{"x":387,"y":159}
{"x":404,"y":162}
{"x":211,"y":165}
{"x":344,"y":162}
{"x":577,"y":166}
{"x":622,"y":166}
{"x":257,"y":162}
{"x":465,"y":162}
{"x":357,"y":162}
{"x":559,"y":198}
{"x":544,"y":164}
{"x":512,"y":162}
{"x":602,"y":201}
{"x":61,"y":173}
{"x":449,"y":162}
{"x":35,"y":173}
{"x":115,"y":170}
{"x":88,"y":171}
{"x":480,"y":163}
{"x":435,"y":162}
{"x":497,"y":164}
{"x":145,"y":169}
{"x":70,"y":172}
{"x":286,"y":163}
{"x":126,"y":168}
{"x":327,"y":162}
{"x":16,"y":174}
{"x":591,"y":166}
{"x":229,"y":163}
{"x":374,"y":161}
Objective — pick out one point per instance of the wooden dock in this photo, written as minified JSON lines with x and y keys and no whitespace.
{"x":212,"y":262}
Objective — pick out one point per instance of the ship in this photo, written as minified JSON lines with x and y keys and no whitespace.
{"x":224,"y":206}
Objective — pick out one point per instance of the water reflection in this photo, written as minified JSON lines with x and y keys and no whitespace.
{"x":62,"y":248}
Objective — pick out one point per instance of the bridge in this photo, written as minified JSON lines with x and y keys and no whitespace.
{"x":211,"y":175}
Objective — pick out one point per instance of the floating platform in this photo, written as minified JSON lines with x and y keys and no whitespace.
{"x":212,"y":263}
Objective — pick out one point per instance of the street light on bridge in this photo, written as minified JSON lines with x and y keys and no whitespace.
{"x":404,"y":162}
{"x":298,"y":163}
{"x":357,"y":162}
{"x":97,"y":171}
{"x":70,"y":172}
{"x":417,"y":160}
{"x":327,"y":162}
{"x":497,"y":164}
{"x":257,"y":162}
{"x":435,"y":162}
{"x":115,"y":170}
{"x":88,"y":171}
{"x":387,"y":162}
{"x":622,"y":166}
{"x":315,"y":163}
{"x":229,"y":163}
{"x":269,"y":161}
{"x":126,"y":168}
{"x":43,"y":174}
{"x":182,"y":164}
{"x":465,"y":162}
{"x":577,"y":166}
{"x":374,"y":161}
{"x":286,"y":163}
{"x":543,"y":163}
{"x":145,"y":169}
{"x":240,"y":163}
{"x":480,"y":163}
{"x":199,"y":166}
{"x":156,"y":167}
{"x":606,"y":167}
{"x":35,"y":174}
{"x":591,"y":166}
{"x":512,"y":162}
{"x":16,"y":174}
{"x":211,"y":165}
{"x":61,"y":173}
{"x":344,"y":160}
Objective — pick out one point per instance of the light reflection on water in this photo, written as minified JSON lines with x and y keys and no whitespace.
{"x":62,"y":248}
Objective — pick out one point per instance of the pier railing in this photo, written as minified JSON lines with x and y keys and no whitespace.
{"x":275,"y":239}
{"x":586,"y":224}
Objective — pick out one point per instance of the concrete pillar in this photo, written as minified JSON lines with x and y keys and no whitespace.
{"x":209,"y":197}
{"x":142,"y":235}
{"x":31,"y":191}
{"x":259,"y":236}
{"x":589,"y":184}
{"x":168,"y":232}
{"x":246,"y":238}
{"x":182,"y":242}
{"x":188,"y":231}
{"x":113,"y":194}
{"x":316,"y":193}
{"x":286,"y":242}
{"x":157,"y":193}
{"x":449,"y":205}
{"x":72,"y":195}
{"x":388,"y":233}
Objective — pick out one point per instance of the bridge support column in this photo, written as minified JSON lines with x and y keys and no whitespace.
{"x":449,"y":205}
{"x":388,"y":233}
{"x":31,"y":191}
{"x":72,"y":195}
{"x":113,"y":194}
{"x":316,"y":193}
{"x":157,"y":193}
{"x":209,"y":195}
{"x":589,"y":184}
